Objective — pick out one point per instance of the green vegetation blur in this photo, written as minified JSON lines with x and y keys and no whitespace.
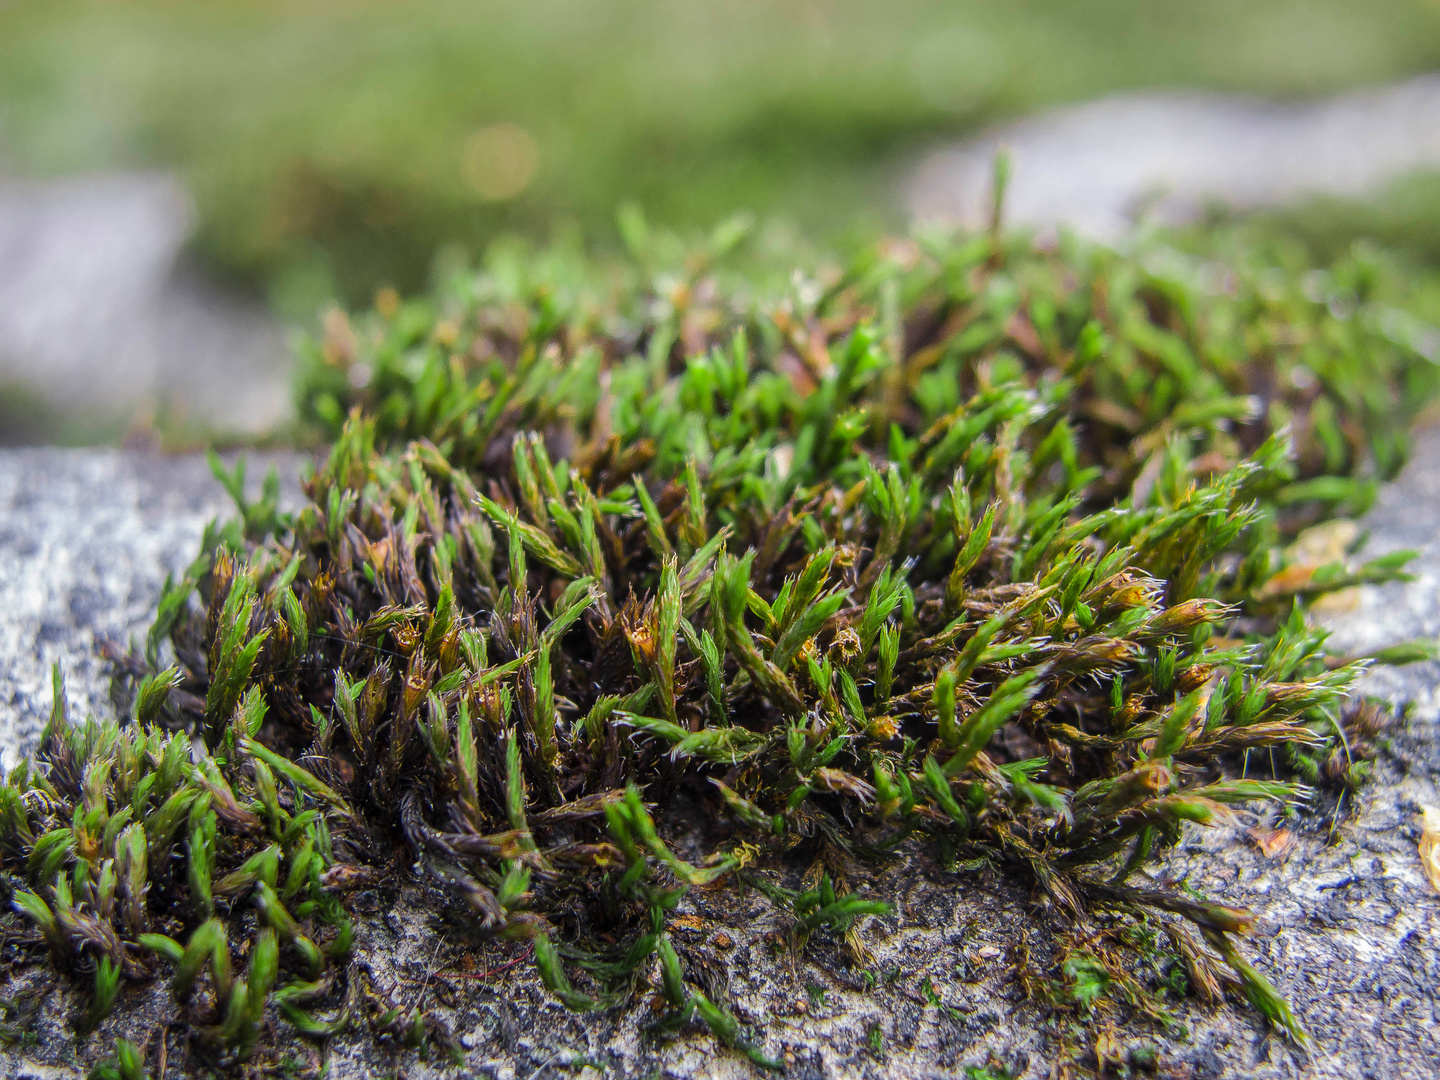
{"x":337,"y":145}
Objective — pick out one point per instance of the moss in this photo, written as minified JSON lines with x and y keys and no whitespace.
{"x":974,"y":546}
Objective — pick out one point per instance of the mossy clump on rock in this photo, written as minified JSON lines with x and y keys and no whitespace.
{"x":976,"y":546}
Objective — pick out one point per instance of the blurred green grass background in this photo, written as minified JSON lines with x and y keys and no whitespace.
{"x":336,"y":146}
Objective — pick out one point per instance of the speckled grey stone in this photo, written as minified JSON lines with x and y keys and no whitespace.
{"x":86,"y":539}
{"x":1406,"y":516}
{"x":1348,"y":924}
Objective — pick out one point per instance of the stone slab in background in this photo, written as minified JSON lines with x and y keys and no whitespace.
{"x":1349,"y":928}
{"x":1097,"y":166}
{"x":102,"y":319}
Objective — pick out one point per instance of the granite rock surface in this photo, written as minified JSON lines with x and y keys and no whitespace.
{"x":86,"y":539}
{"x":1349,"y":928}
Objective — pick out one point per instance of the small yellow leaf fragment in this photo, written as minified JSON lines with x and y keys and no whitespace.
{"x":1271,"y":842}
{"x":1430,"y":844}
{"x":1337,"y":602}
{"x":1314,"y":548}
{"x":1324,"y":543}
{"x":1108,"y":1052}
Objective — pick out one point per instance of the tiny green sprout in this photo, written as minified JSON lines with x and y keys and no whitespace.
{"x":38,"y":912}
{"x":125,"y":1063}
{"x":1261,"y":993}
{"x":208,"y":946}
{"x":552,"y":973}
{"x":107,"y":988}
{"x":1086,"y":980}
{"x":726,"y":1028}
{"x":932,"y":997}
{"x":1408,"y":652}
{"x":875,"y":1039}
{"x":1144,"y":1056}
{"x":152,"y":693}
{"x":991,"y":1070}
